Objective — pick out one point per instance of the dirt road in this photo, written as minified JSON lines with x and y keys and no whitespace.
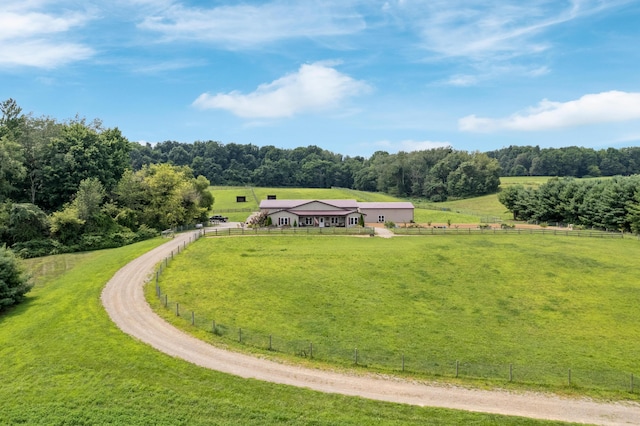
{"x":123,"y":299}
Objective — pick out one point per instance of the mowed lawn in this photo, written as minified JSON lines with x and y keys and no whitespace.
{"x":538,"y":302}
{"x":225,"y":203}
{"x":63,"y":362}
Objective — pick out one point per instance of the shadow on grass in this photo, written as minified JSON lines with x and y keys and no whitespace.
{"x":19,"y":309}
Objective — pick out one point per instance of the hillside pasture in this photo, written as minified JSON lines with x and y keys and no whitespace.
{"x":63,"y":362}
{"x":543,"y":304}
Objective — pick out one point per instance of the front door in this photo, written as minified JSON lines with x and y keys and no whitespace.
{"x":321,"y":222}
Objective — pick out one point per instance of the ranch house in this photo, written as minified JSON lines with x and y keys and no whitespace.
{"x":334,"y":213}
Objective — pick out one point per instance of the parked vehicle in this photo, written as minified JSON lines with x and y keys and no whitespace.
{"x":218,"y":218}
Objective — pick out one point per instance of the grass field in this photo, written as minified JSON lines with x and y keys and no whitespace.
{"x":486,"y":208}
{"x":470,"y":210}
{"x":225,"y":197}
{"x":542,"y":303}
{"x":456,"y":212}
{"x":63,"y":362}
{"x":527,"y":181}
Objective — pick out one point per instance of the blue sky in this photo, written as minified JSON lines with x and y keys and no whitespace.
{"x":350,"y":76}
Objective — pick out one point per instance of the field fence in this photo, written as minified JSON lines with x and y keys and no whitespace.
{"x":391,"y":361}
{"x":502,"y":231}
{"x":244,"y":210}
{"x":303,"y":230}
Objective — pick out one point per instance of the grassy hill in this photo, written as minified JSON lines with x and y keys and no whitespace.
{"x":542,"y":303}
{"x":466,"y":211}
{"x":63,"y":362}
{"x":474,"y":210}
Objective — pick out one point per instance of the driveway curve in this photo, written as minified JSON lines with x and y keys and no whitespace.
{"x":124,"y":301}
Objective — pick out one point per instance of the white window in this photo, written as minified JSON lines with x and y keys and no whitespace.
{"x":353,"y":220}
{"x":308,"y":221}
{"x":334,"y":220}
{"x":282,"y":221}
{"x":381,"y":219}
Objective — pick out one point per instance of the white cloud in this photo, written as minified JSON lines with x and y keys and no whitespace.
{"x":606,"y":107}
{"x":41,"y":53}
{"x":462,"y":80}
{"x":410,"y":145}
{"x":313,"y":87}
{"x":491,"y":29}
{"x":244,"y":25}
{"x":32,"y":38}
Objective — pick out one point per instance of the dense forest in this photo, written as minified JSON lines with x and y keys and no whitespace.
{"x":435,"y":174}
{"x":571,"y":161}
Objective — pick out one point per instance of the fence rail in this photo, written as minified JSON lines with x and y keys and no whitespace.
{"x":244,"y":210}
{"x":503,"y":231}
{"x":350,"y":353}
{"x":356,"y":230}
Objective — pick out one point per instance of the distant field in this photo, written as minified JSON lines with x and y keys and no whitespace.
{"x":225,"y":200}
{"x":65,"y":363}
{"x":485,"y":208}
{"x":528,"y":181}
{"x":542,"y":303}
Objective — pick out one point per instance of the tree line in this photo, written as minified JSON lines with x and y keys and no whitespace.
{"x":569,"y":161}
{"x":69,"y":186}
{"x":612,"y":204}
{"x":435,"y":174}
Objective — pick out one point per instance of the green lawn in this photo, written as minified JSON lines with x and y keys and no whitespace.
{"x":225,"y":197}
{"x":63,"y":362}
{"x":542,"y":303}
{"x":528,"y":181}
{"x":474,"y":210}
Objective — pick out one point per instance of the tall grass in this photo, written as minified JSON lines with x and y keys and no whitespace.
{"x":63,"y":362}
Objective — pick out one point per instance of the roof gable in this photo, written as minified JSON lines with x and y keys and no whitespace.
{"x":309,"y":204}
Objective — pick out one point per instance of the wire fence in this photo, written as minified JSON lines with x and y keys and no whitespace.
{"x":391,"y":361}
{"x":488,"y":230}
{"x":244,"y":210}
{"x":303,"y":230}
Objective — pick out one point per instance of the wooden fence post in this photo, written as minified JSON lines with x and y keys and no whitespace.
{"x":177,"y":309}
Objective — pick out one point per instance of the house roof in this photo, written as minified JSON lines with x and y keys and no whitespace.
{"x":386,"y":205}
{"x":290,"y":204}
{"x":322,"y":212}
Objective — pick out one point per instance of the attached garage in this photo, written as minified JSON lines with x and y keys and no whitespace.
{"x":397,"y":212}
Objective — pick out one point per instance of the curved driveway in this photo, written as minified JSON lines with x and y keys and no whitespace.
{"x":124,"y":301}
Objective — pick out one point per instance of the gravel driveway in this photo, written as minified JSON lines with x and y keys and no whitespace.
{"x":124,"y":301}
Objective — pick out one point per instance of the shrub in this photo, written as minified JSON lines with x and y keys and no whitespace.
{"x":389,"y":224}
{"x":145,"y":233}
{"x":14,"y":283}
{"x":37,"y":248}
